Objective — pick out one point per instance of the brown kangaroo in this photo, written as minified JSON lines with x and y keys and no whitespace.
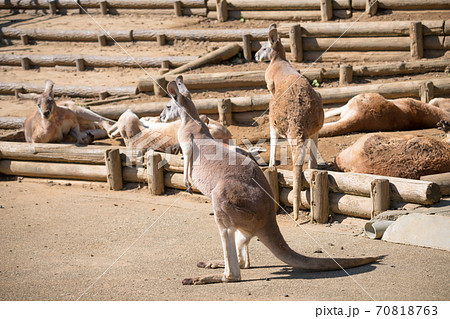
{"x":407,"y":157}
{"x":52,"y":123}
{"x":241,"y":197}
{"x":371,"y":112}
{"x":295,"y":111}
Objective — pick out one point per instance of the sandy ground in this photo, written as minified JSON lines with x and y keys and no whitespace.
{"x":57,"y":241}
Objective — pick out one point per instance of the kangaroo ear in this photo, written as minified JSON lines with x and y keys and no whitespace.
{"x":172,"y":89}
{"x":49,"y":87}
{"x":273,"y":33}
{"x":181,"y":87}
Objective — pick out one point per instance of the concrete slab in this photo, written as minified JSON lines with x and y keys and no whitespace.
{"x":426,"y":230}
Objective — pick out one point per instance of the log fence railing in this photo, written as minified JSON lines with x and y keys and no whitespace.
{"x":344,"y":193}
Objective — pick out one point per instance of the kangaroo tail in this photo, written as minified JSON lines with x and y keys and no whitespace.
{"x":278,"y":246}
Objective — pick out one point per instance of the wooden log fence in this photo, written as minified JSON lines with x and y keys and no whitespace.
{"x":348,"y":193}
{"x":261,"y":102}
{"x":84,"y":61}
{"x":68,"y":90}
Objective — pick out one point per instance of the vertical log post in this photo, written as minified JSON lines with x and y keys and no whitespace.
{"x":271,"y":174}
{"x":320,"y":206}
{"x":25,"y":63}
{"x":295,"y":38}
{"x":114,"y":169}
{"x":161,"y":39}
{"x":102,"y":40}
{"x":103,"y":95}
{"x":104,"y":7}
{"x":371,"y":7}
{"x":52,"y":6}
{"x":426,"y":91}
{"x":416,"y":40}
{"x":178,"y":9}
{"x":224,"y":110}
{"x":25,"y":39}
{"x":159,"y":86}
{"x":247,"y":47}
{"x":222,"y":10}
{"x":165,"y":67}
{"x":17,"y":91}
{"x":381,"y":196}
{"x":80,"y":64}
{"x":326,"y":10}
{"x":345,"y":74}
{"x":155,"y":173}
{"x":81,"y":10}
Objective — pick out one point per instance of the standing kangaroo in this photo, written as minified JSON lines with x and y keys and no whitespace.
{"x":295,"y":111}
{"x":240,"y":194}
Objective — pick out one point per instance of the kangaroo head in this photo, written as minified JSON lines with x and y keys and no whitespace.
{"x":273,"y":48}
{"x":264,"y":52}
{"x":180,"y":99}
{"x":45,"y":101}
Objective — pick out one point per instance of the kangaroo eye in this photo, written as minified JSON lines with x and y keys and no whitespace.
{"x":168,"y":107}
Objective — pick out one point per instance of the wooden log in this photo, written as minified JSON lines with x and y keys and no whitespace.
{"x":104,"y":7}
{"x":443,"y":180}
{"x":319,"y":201}
{"x":53,"y":170}
{"x":95,"y":61}
{"x":271,"y":175}
{"x":113,"y":169}
{"x":25,"y":63}
{"x":286,"y":5}
{"x":66,"y":153}
{"x":80,"y":65}
{"x":102,"y":95}
{"x":68,"y":90}
{"x":222,"y":10}
{"x":17,"y":92}
{"x":11,"y":123}
{"x":380,"y":195}
{"x":224,"y":110}
{"x":356,"y":44}
{"x":426,"y":91}
{"x":52,"y":5}
{"x":351,"y":205}
{"x":345,"y":74}
{"x":416,"y":38}
{"x":216,"y":56}
{"x":155,"y":173}
{"x":247,"y":47}
{"x":295,"y":37}
{"x":15,"y":136}
{"x":278,"y":15}
{"x":102,"y":40}
{"x":25,"y":39}
{"x":176,"y":180}
{"x":261,"y":102}
{"x":177,"y":9}
{"x":398,"y":68}
{"x":404,"y":4}
{"x":402,"y":189}
{"x":326,"y":10}
{"x":161,"y":39}
{"x":159,"y":86}
{"x":371,"y":7}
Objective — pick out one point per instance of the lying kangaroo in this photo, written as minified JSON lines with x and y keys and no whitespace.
{"x":241,"y":196}
{"x":296,"y":110}
{"x":407,"y":157}
{"x":370,"y":112}
{"x":52,"y":123}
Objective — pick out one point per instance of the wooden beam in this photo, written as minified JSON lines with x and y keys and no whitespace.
{"x":371,"y":7}
{"x":319,"y":201}
{"x":222,"y":10}
{"x":247,"y":47}
{"x":380,"y":194}
{"x":155,"y":173}
{"x":326,"y":9}
{"x":345,"y":74}
{"x":426,"y":91}
{"x":295,"y":38}
{"x":104,"y":7}
{"x":224,"y":110}
{"x":416,"y":40}
{"x":113,"y":169}
{"x":177,"y":7}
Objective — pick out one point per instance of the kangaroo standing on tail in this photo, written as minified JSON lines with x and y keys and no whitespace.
{"x":295,"y":111}
{"x":241,"y":196}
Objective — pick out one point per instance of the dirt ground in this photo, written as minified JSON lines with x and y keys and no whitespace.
{"x":84,"y":242}
{"x":56,"y":240}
